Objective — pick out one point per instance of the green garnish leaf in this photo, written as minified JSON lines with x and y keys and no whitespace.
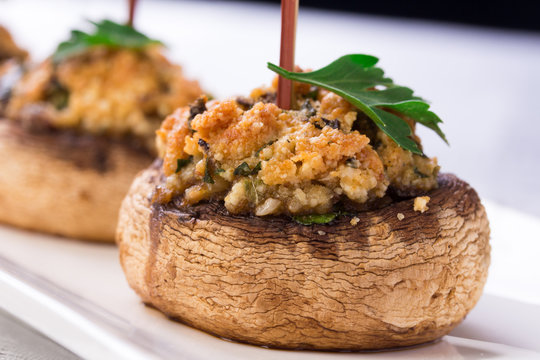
{"x":256,"y":169}
{"x":56,"y":94}
{"x":251,"y":191}
{"x":207,"y":178}
{"x":258,"y":152}
{"x":181,"y":163}
{"x":244,"y":170}
{"x":107,"y":33}
{"x":315,"y":219}
{"x":220,"y":170}
{"x":355,"y":78}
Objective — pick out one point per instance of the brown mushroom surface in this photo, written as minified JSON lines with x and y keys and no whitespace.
{"x":381,"y":283}
{"x":64,"y":183}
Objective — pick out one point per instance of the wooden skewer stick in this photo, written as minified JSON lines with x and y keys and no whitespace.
{"x":289,"y":14}
{"x":132,"y":5}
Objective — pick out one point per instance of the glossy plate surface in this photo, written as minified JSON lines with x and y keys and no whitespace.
{"x":75,"y":292}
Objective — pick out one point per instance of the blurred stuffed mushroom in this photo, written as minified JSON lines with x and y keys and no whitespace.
{"x":80,"y":125}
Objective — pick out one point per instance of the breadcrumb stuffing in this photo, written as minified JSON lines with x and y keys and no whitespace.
{"x":264,"y":160}
{"x":354,"y":221}
{"x":400,"y":216}
{"x":420,"y":203}
{"x":104,"y":91}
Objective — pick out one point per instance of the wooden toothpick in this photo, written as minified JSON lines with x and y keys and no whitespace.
{"x":289,"y":14}
{"x":132,"y":5}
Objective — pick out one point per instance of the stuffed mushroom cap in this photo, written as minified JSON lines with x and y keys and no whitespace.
{"x":77,"y":130}
{"x":301,"y":229}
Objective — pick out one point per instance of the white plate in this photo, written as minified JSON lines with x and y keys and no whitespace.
{"x":75,"y":292}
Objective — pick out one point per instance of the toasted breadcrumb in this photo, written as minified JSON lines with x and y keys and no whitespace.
{"x":420,"y":203}
{"x":320,"y":232}
{"x":264,"y":160}
{"x":400,"y":216}
{"x":354,"y":221}
{"x":105,"y":91}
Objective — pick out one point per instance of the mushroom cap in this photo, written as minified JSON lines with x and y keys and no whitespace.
{"x":63,"y":183}
{"x":381,"y":283}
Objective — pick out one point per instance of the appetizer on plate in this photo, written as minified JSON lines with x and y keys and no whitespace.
{"x":80,"y":125}
{"x":320,"y":227}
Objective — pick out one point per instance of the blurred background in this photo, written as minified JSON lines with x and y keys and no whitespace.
{"x":477,"y":63}
{"x":519,"y":14}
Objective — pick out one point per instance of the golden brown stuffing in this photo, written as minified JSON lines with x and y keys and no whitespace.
{"x":406,"y":171}
{"x":261,"y":159}
{"x":105,"y":91}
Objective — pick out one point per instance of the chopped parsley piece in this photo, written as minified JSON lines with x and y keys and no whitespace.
{"x":244,"y":170}
{"x":264,"y":146}
{"x":207,"y":177}
{"x":181,"y":163}
{"x":314,"y":219}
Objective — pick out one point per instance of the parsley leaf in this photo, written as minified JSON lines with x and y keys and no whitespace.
{"x":315,"y":219}
{"x":258,"y":152}
{"x":256,"y":169}
{"x":207,"y":177}
{"x":244,"y":170}
{"x":181,"y":163}
{"x":353,"y":77}
{"x":107,"y":33}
